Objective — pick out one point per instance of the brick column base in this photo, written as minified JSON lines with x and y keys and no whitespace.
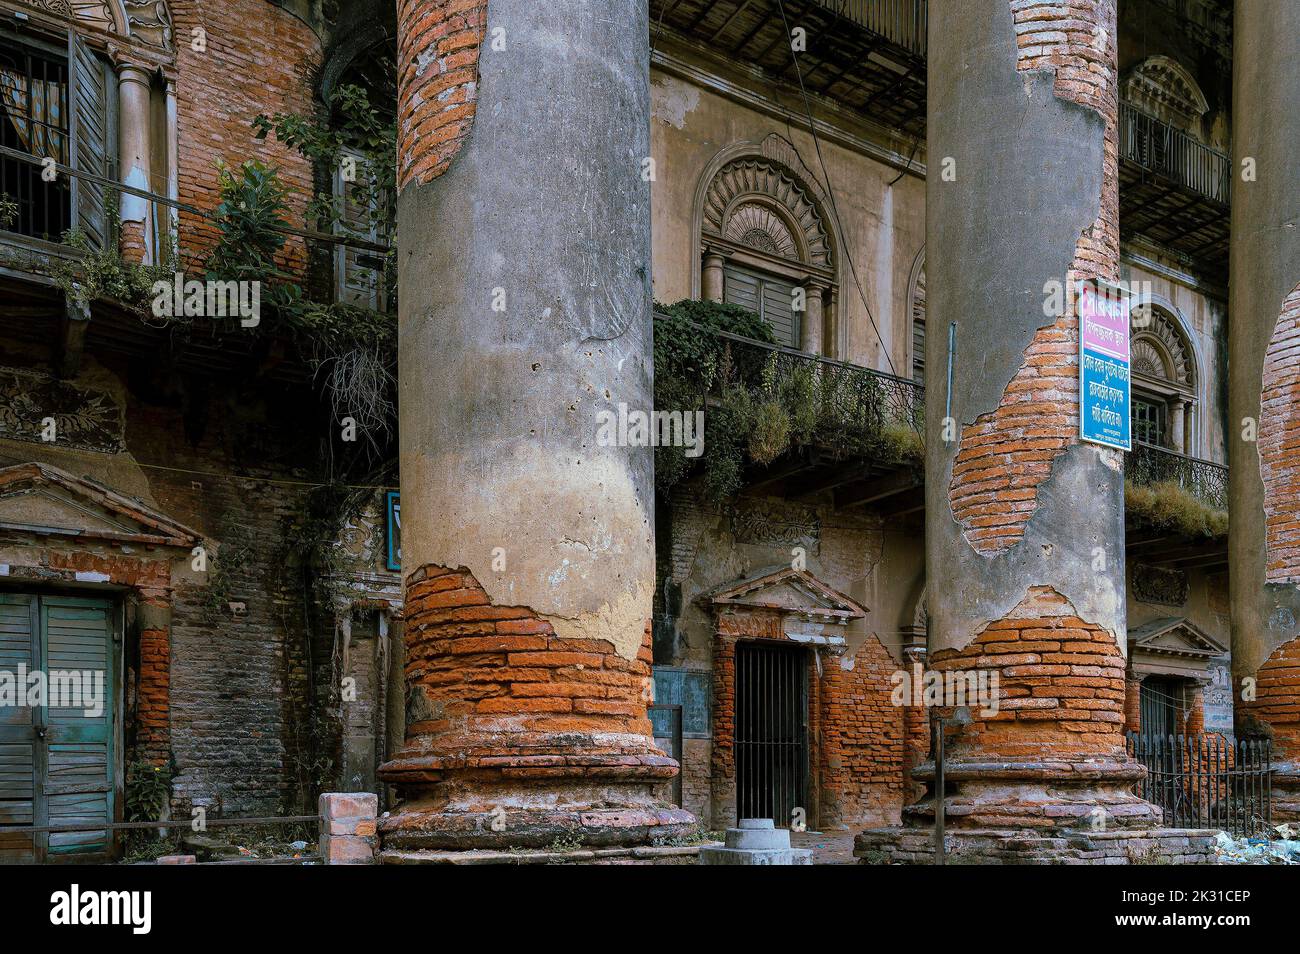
{"x":516,"y":737}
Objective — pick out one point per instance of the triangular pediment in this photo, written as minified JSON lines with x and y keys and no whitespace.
{"x":787,"y":589}
{"x":1174,"y":636}
{"x":46,"y":501}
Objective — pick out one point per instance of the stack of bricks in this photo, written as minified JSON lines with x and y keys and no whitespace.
{"x":1061,"y":684}
{"x":348,"y":828}
{"x":1006,"y":454}
{"x":503,"y":667}
{"x":438,"y":43}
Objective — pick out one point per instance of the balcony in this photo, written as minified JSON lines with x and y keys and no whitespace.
{"x":868,"y":55}
{"x":855,"y":434}
{"x":1174,"y":190}
{"x":1176,"y":509}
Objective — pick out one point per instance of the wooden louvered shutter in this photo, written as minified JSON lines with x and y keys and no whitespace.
{"x":18,"y":739}
{"x":772,"y":298}
{"x":76,"y":635}
{"x":88,"y":122}
{"x":359,"y":275}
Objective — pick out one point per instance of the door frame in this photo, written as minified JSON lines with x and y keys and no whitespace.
{"x":806,"y":712}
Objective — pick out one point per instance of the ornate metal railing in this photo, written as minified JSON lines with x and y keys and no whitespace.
{"x":901,"y":22}
{"x":1164,"y":151}
{"x":847,"y":408}
{"x":1207,"y":781}
{"x":1205,"y":480}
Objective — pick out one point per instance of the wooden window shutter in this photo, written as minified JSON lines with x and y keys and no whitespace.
{"x":88,"y":122}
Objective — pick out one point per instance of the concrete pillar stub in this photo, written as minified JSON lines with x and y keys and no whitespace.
{"x":527,"y":542}
{"x":1264,"y":388}
{"x":713,"y":282}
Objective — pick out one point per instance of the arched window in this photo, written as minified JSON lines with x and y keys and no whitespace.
{"x":766,"y":246}
{"x":1164,"y":380}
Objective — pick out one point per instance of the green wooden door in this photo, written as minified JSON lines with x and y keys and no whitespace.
{"x":57,"y":762}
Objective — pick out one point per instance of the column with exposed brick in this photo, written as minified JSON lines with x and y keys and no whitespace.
{"x":524,"y":229}
{"x":1025,"y":523}
{"x":135,"y":158}
{"x":1264,"y":388}
{"x":153,"y":681}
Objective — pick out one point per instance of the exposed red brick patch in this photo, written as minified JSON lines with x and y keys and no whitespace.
{"x":1279,"y":445}
{"x":502,"y":670}
{"x":438,"y":46}
{"x":1061,"y":684}
{"x":1005,"y":455}
{"x":153,"y":697}
{"x":1277,"y":699}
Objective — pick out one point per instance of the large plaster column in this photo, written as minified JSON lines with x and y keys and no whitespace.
{"x":528,"y":550}
{"x":1024,"y":523}
{"x":1264,"y":387}
{"x":135,"y":152}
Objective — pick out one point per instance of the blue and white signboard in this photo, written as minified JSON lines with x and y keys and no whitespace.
{"x":1105,"y":388}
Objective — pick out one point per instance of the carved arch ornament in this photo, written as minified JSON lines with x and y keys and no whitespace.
{"x":147,"y":22}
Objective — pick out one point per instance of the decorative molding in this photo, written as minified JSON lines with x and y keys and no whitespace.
{"x":83,"y":417}
{"x":148,"y":22}
{"x":1161,"y":350}
{"x":767,"y":523}
{"x":1165,"y":89}
{"x":758,"y":203}
{"x":1153,"y":584}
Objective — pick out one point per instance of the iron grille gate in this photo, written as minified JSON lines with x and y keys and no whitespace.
{"x":1207,"y":781}
{"x":771,"y":731}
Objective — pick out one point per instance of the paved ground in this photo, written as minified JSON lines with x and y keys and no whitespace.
{"x":829,"y":847}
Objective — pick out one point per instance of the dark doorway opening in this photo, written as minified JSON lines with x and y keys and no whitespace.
{"x":771,"y":731}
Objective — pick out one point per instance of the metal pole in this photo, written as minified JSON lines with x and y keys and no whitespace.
{"x":936,"y":745}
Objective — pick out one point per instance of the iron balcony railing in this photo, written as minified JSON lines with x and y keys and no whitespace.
{"x":1160,"y":149}
{"x":850,"y":410}
{"x":1205,"y":480}
{"x":901,"y":22}
{"x":1207,"y":781}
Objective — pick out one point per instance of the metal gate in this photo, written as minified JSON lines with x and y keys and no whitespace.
{"x":771,"y":731}
{"x":1207,"y":781}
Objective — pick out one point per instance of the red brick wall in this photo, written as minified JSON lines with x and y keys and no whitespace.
{"x":259,"y":59}
{"x":503,"y":669}
{"x":438,"y":44}
{"x":153,"y":697}
{"x":1006,"y":454}
{"x":1062,"y":686}
{"x":1279,"y":445}
{"x":1133,"y":703}
{"x":862,"y":741}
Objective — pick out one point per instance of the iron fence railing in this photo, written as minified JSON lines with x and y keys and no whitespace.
{"x":1205,"y":480}
{"x":901,"y":22}
{"x":1172,"y":154}
{"x":848,"y":409}
{"x":1207,"y":781}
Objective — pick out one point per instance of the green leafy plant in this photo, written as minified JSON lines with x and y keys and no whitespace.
{"x":148,"y":791}
{"x":8,"y":210}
